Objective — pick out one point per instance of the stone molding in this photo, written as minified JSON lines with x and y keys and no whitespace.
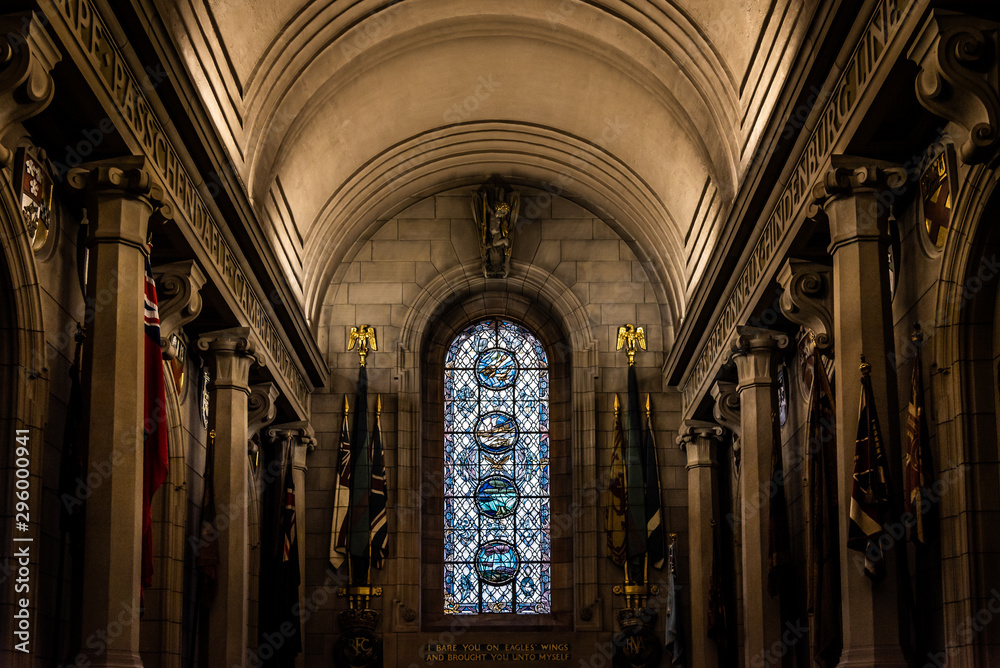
{"x":180,"y":283}
{"x":753,"y":350}
{"x":807,"y":299}
{"x":232,"y":353}
{"x":27,"y":56}
{"x":957,"y":55}
{"x":261,"y":407}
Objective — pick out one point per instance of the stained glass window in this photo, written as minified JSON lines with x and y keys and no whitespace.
{"x":496,"y":468}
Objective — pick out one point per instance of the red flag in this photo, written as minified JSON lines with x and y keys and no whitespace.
{"x":155,"y":454}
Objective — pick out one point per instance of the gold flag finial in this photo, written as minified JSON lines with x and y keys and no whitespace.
{"x":364,"y":337}
{"x":346,"y":406}
{"x":617,"y":404}
{"x":632,"y":338}
{"x":378,"y":404}
{"x":866,"y":368}
{"x":649,"y":408}
{"x":917,"y":335}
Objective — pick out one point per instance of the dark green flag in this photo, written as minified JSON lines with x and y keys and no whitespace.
{"x":636,"y":525}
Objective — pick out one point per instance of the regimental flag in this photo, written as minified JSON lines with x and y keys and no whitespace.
{"x":207,"y":558}
{"x":614,"y":521}
{"x":155,"y":454}
{"x":379,"y":529}
{"x":341,"y":496}
{"x":870,"y":495}
{"x":919,"y":472}
{"x":636,"y":525}
{"x":718,"y":620}
{"x":673,"y":633}
{"x":655,"y":536}
{"x":288,"y":573}
{"x":778,"y":541}
{"x":823,"y":597}
{"x":359,"y":517}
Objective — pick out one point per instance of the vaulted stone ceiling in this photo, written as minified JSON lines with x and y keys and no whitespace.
{"x":341,"y":114}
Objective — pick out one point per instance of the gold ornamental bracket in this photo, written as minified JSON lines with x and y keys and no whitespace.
{"x":632,"y":338}
{"x":359,"y":596}
{"x":362,"y":336}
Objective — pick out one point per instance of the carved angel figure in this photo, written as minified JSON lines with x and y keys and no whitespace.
{"x":495,"y":207}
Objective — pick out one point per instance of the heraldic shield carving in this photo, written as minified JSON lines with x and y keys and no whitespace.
{"x":495,"y":207}
{"x":636,"y":645}
{"x":359,"y":646}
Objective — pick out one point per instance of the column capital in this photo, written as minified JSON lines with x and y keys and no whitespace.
{"x":299,"y":435}
{"x":726,"y":409}
{"x":753,"y":350}
{"x":856,"y":196}
{"x":231,"y":352}
{"x":107,"y":186}
{"x":957,"y":56}
{"x":178,"y":293}
{"x":261,"y":407}
{"x":697,"y":437}
{"x":807,"y":299}
{"x":27,"y":56}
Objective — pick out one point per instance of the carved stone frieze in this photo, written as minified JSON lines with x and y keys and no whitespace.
{"x":958,"y":59}
{"x":178,"y":293}
{"x":807,"y":299}
{"x":27,"y":56}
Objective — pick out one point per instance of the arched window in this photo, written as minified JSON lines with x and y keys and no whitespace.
{"x":496,"y":472}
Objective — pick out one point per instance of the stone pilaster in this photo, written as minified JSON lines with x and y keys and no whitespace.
{"x":230,"y":353}
{"x":957,"y":55}
{"x":700,"y":440}
{"x":856,"y":197}
{"x":121,"y":198}
{"x":755,"y":352}
{"x":807,"y":299}
{"x":27,"y":56}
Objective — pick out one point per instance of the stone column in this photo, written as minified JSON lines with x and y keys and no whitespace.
{"x":856,"y":198}
{"x":230,"y":354}
{"x":755,"y":352}
{"x":726,"y":411}
{"x":121,"y":197}
{"x":700,"y":440}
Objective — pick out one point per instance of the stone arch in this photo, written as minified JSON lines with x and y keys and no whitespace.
{"x":24,"y":388}
{"x":964,"y":403}
{"x":161,"y":642}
